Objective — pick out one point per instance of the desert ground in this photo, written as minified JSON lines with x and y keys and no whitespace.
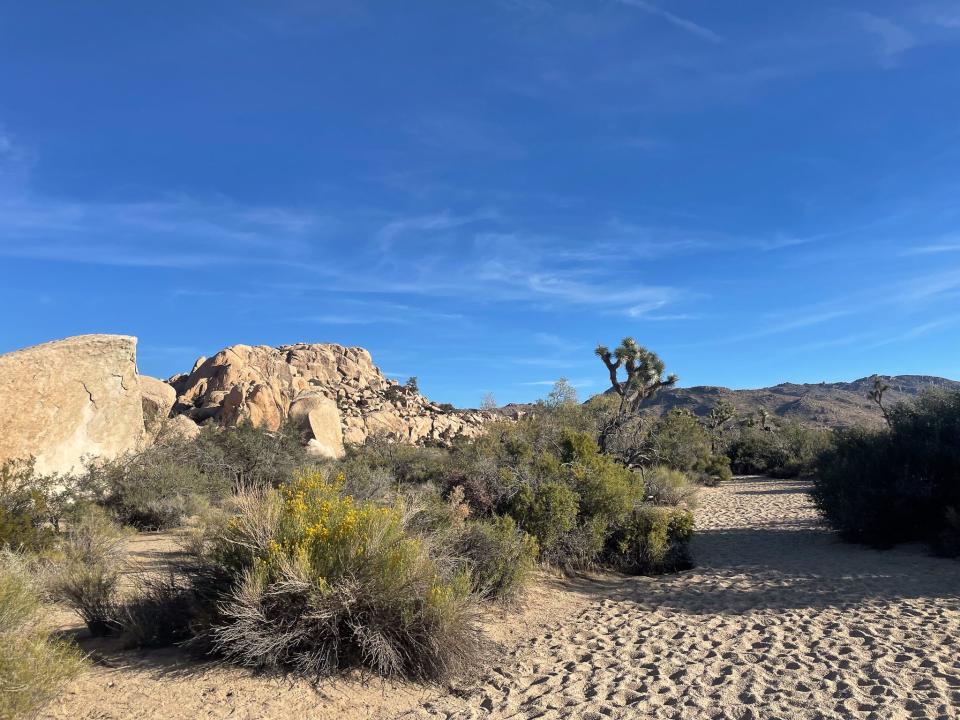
{"x":779,"y":619}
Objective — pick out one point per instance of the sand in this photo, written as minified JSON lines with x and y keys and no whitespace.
{"x":778,"y":620}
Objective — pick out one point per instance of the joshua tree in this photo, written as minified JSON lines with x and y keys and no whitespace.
{"x":644,"y":370}
{"x":644,"y":373}
{"x":764,"y":416}
{"x":876,"y":394}
{"x":719,"y":415}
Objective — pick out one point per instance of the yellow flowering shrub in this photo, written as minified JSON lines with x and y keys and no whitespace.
{"x":325,"y":582}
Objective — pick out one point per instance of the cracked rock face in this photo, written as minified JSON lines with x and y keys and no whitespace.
{"x":335,"y":393}
{"x":67,"y":399}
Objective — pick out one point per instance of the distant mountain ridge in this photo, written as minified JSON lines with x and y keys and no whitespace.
{"x":839,"y":404}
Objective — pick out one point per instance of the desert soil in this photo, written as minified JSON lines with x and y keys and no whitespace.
{"x":778,"y":620}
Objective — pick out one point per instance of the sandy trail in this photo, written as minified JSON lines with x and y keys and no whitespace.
{"x":778,"y":620}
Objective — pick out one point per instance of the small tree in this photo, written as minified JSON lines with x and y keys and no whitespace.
{"x":489,"y":402}
{"x":563,"y":393}
{"x":411,"y":384}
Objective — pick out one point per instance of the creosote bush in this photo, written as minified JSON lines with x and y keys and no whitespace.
{"x":899,"y":484}
{"x":669,"y":487}
{"x":653,"y":540}
{"x":787,"y":449}
{"x":319,"y":582}
{"x":31,"y":506}
{"x":499,"y":555}
{"x":33,"y":666}
{"x":162,"y":486}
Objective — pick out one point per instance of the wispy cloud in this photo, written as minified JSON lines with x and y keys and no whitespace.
{"x":915,"y":332}
{"x":934,"y":249}
{"x":178,"y":232}
{"x":435,"y":222}
{"x":893,"y":40}
{"x":684,"y":24}
{"x":346,"y":311}
{"x":582,"y":383}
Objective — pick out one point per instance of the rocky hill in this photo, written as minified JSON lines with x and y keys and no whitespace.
{"x":840,"y":404}
{"x":335,"y":393}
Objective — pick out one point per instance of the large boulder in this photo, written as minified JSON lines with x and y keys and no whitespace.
{"x":157,"y":399}
{"x":69,"y":399}
{"x":319,"y":417}
{"x":268,"y":385}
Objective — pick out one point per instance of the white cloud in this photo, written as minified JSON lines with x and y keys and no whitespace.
{"x":683,"y":23}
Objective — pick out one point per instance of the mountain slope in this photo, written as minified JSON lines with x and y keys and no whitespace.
{"x":838,"y":404}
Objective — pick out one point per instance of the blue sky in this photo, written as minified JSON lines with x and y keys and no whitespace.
{"x":480,"y":192}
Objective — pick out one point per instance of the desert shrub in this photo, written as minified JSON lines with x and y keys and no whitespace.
{"x":652,"y":540}
{"x":88,"y":576}
{"x":378,"y":467}
{"x":669,"y":487}
{"x":499,"y":555}
{"x":715,"y":471}
{"x":21,"y":515}
{"x":33,"y":667}
{"x":150,"y":491}
{"x":428,"y":514}
{"x":787,"y":450}
{"x":898,"y":484}
{"x":321,"y":582}
{"x":32,"y":506}
{"x":161,"y":611}
{"x":248,"y":455}
{"x":548,"y":512}
{"x":679,"y":441}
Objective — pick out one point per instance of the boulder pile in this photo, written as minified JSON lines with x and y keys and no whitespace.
{"x":335,"y":393}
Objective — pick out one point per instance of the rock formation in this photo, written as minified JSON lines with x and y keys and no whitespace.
{"x":64,"y":400}
{"x":306,"y":382}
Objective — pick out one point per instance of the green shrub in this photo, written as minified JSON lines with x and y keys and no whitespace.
{"x":669,"y":487}
{"x":499,"y":555}
{"x":246,"y":455}
{"x":87,"y":579}
{"x":788,"y":450}
{"x":715,"y":471}
{"x":28,"y":502}
{"x":157,"y":488}
{"x":653,"y":540}
{"x":33,"y":667}
{"x":320,"y":583}
{"x":548,"y":512}
{"x":899,"y":484}
{"x":678,"y":440}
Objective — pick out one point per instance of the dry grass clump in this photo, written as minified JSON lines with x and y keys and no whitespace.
{"x":87,"y":574}
{"x":33,"y":667}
